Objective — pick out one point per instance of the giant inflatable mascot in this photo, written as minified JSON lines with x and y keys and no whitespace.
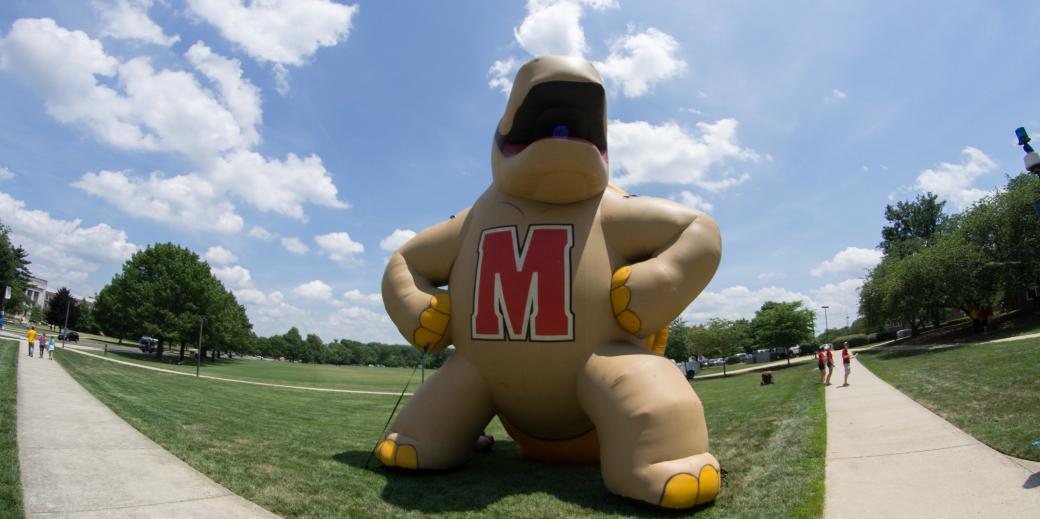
{"x":557,"y":289}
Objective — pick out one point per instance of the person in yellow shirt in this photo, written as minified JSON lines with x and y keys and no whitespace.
{"x":31,"y":337}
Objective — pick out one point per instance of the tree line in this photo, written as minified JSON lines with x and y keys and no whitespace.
{"x":775,"y":325}
{"x":935,"y":263}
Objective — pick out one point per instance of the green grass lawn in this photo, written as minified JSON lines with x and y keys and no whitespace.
{"x":285,"y":373}
{"x":302,"y":454}
{"x":991,"y":391}
{"x":10,"y":480}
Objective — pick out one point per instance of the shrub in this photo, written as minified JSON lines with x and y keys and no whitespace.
{"x":881,"y":336}
{"x":858,"y":339}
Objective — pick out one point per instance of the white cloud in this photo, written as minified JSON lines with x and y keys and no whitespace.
{"x":286,"y":32}
{"x":240,"y":95}
{"x":360,"y":324}
{"x":842,"y":298}
{"x":63,"y":251}
{"x":953,"y":182}
{"x":262,"y":234}
{"x":852,"y":260}
{"x":739,"y":302}
{"x":340,"y":247}
{"x":6,"y":174}
{"x":184,"y":201}
{"x":396,"y":239}
{"x":275,"y":185}
{"x":501,"y":73}
{"x":128,"y":19}
{"x":235,"y":276}
{"x":644,"y":153}
{"x":166,"y":110}
{"x":315,"y":290}
{"x":835,"y":95}
{"x":637,"y":61}
{"x":217,"y":255}
{"x":250,"y":296}
{"x":771,"y":275}
{"x":294,"y":245}
{"x":552,"y":27}
{"x":157,"y":110}
{"x":691,"y":200}
{"x":355,"y":295}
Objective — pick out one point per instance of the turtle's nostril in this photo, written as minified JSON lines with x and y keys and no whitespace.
{"x":561,"y":130}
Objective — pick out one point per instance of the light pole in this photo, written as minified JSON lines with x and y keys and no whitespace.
{"x":65,"y":327}
{"x":825,"y":324}
{"x":198,"y":354}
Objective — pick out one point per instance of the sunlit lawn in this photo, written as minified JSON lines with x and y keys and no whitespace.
{"x":10,"y":486}
{"x":992,"y":391}
{"x":302,"y":454}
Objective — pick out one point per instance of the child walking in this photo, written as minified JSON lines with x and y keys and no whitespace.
{"x":43,"y":343}
{"x":50,"y":350}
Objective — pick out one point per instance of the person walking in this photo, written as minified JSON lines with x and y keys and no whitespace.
{"x":50,"y":350}
{"x":846,"y":361}
{"x":830,"y":364}
{"x":43,"y":343}
{"x":821,"y":364}
{"x":32,"y":339}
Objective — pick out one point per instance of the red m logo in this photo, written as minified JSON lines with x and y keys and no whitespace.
{"x":525,"y":293}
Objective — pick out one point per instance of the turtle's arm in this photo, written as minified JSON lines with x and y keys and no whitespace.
{"x":414,"y":284}
{"x":670,"y":254}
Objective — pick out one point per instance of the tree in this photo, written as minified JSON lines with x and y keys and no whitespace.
{"x":165,"y":291}
{"x":679,"y":348}
{"x":59,"y":305}
{"x":14,"y":272}
{"x":782,"y":325}
{"x":911,"y":224}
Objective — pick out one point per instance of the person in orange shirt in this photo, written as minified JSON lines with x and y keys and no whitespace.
{"x":830,"y":364}
{"x":846,"y":361}
{"x":821,"y":364}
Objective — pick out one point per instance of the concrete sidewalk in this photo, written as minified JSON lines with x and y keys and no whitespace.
{"x":888,"y":456}
{"x":80,"y":460}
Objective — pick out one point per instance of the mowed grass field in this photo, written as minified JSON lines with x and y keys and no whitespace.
{"x":10,"y":480}
{"x":327,"y":376}
{"x":302,"y":453}
{"x":991,"y":391}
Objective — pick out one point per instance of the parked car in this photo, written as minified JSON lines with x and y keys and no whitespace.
{"x":68,"y":336}
{"x":795,"y":351}
{"x":148,"y":344}
{"x":904,"y":333}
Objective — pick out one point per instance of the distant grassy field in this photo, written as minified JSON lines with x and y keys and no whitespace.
{"x":286,"y":373}
{"x":302,"y":454}
{"x":10,"y":480}
{"x":991,"y":391}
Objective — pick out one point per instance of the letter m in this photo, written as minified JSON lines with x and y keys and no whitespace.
{"x":524,"y":294}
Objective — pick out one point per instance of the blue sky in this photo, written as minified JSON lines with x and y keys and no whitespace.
{"x":292,"y":143}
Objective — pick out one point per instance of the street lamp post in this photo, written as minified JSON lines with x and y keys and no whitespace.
{"x":65,"y":328}
{"x":826,"y":326}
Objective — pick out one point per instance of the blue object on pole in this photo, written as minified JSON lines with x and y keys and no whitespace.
{"x":1023,"y":137}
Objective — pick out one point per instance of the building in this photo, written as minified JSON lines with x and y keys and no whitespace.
{"x":37,"y":292}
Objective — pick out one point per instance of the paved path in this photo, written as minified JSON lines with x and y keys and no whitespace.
{"x":80,"y":460}
{"x":888,"y":456}
{"x":79,"y":349}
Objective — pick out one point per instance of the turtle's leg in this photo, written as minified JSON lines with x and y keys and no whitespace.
{"x":437,"y":428}
{"x":653,"y":439}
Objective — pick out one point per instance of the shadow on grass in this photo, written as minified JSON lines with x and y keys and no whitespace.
{"x":892,"y":354}
{"x":495,"y":476}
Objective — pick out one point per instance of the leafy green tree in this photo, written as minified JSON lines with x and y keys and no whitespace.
{"x":14,"y":272}
{"x":679,"y":347}
{"x":782,"y":325}
{"x":61,"y":303}
{"x":165,"y":291}
{"x":911,"y":224}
